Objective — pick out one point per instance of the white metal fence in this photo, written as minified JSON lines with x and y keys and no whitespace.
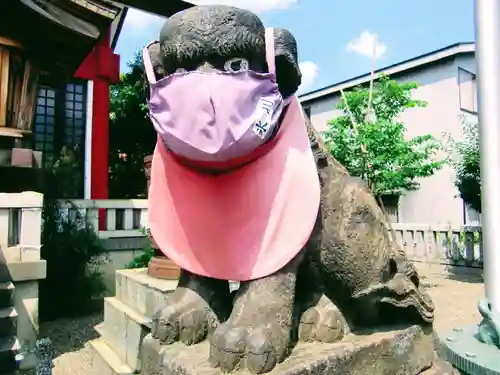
{"x":441,"y":244}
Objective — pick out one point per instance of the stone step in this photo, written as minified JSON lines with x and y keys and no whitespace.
{"x":145,"y":294}
{"x":9,"y":347}
{"x":6,"y":294}
{"x":123,"y":330}
{"x":142,"y":293}
{"x":8,"y":321}
{"x":104,"y":360}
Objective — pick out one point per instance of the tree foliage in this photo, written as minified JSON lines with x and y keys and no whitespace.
{"x":390,"y":163}
{"x":465,"y":158}
{"x":132,"y":136}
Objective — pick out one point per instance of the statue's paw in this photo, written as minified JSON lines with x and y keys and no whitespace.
{"x":322,"y":323}
{"x":186,"y":318}
{"x":261,"y":347}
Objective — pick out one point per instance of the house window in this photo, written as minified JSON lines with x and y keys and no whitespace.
{"x":391,"y":206}
{"x":467,"y":90}
{"x":307,"y":112}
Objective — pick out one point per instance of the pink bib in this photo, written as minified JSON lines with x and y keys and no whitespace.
{"x":239,"y":225}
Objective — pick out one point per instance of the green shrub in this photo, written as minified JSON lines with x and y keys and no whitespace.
{"x":147,"y":252}
{"x":465,"y":159}
{"x":71,"y":247}
{"x":73,"y":252}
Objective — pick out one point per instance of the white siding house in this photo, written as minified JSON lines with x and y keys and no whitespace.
{"x":448,"y":83}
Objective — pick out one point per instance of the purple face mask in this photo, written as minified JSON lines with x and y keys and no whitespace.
{"x":215,"y":116}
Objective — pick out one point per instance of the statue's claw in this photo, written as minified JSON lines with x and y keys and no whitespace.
{"x":187,"y":318}
{"x":261,"y":346}
{"x":322,"y":322}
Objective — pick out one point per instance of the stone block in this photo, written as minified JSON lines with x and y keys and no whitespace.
{"x":22,"y":157}
{"x":401,"y":351}
{"x":26,"y":304}
{"x":104,"y":360}
{"x":8,"y":322}
{"x":9,"y":346}
{"x":6,"y":294}
{"x":123,"y":330}
{"x":142,"y":293}
{"x":10,"y":254}
{"x":23,"y":271}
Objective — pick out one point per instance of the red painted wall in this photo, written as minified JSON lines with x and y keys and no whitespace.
{"x":103,"y":67}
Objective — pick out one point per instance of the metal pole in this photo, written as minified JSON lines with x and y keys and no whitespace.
{"x":487,"y":21}
{"x":475,"y":350}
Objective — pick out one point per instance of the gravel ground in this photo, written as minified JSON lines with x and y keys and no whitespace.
{"x":455,"y":301}
{"x":69,"y":337}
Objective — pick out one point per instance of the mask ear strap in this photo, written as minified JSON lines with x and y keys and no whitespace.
{"x":270,"y":52}
{"x":148,"y":65}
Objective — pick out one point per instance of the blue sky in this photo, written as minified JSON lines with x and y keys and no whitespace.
{"x":335,"y":37}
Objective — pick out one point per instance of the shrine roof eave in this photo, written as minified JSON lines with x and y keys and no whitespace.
{"x":57,"y":35}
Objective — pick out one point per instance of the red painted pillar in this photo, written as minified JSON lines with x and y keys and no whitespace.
{"x":100,"y":146}
{"x":102,"y":67}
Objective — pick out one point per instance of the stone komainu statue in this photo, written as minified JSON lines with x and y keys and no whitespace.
{"x":243,"y":189}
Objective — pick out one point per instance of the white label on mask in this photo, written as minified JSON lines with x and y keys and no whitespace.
{"x":264,"y":114}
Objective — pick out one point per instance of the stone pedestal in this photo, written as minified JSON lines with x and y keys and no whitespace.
{"x":125,"y":346}
{"x":397,"y":351}
{"x":127,"y":320}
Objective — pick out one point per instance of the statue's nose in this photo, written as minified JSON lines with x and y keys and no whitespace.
{"x":206,"y":67}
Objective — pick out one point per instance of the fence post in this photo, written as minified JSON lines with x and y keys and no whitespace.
{"x":4,"y":226}
{"x":31,"y":229}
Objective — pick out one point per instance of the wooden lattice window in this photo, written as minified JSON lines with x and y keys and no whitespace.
{"x":18,"y":82}
{"x":75,"y":102}
{"x":44,"y":123}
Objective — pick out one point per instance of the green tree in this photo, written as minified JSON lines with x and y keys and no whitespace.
{"x":131,"y":135}
{"x":376,"y":149}
{"x":465,"y":158}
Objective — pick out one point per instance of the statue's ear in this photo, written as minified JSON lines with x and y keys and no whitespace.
{"x":155,"y":56}
{"x":287,"y":65}
{"x":159,"y":72}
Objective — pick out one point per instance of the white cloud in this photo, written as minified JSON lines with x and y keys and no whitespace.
{"x":309,"y":72}
{"x":364,"y":44}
